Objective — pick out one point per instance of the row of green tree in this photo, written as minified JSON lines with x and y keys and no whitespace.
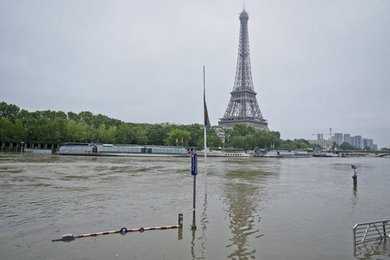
{"x":55,"y":127}
{"x":249,"y":138}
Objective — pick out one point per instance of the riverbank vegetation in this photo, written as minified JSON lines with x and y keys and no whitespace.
{"x":56,"y":127}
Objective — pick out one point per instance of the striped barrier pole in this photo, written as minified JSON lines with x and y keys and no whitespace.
{"x":123,"y":231}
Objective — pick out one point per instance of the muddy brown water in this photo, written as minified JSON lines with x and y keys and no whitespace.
{"x":246,"y":208}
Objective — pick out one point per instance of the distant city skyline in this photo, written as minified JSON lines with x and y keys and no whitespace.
{"x":357,"y":141}
{"x":316,"y":65}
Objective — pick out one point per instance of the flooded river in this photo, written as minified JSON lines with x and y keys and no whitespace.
{"x":246,"y":208}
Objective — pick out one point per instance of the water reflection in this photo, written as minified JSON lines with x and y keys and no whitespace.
{"x":203,"y":219}
{"x":41,"y":200}
{"x":242,"y":195}
{"x":372,"y":250}
{"x":355,"y":197}
{"x":203,"y":223}
{"x":193,"y":244}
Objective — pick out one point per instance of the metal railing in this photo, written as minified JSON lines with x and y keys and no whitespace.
{"x":369,"y":232}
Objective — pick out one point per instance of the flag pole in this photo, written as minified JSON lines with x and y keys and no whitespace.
{"x":204,"y":125}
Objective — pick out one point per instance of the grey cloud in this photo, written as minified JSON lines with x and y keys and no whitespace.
{"x":316,"y":64}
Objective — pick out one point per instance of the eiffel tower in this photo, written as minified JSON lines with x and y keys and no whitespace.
{"x":243,"y":107}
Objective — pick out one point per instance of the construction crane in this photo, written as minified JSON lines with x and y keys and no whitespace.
{"x":322,"y":142}
{"x":324,"y":134}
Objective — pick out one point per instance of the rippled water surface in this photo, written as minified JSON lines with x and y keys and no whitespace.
{"x":246,"y":208}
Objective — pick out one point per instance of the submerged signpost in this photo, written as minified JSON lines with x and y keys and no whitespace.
{"x":194,"y":172}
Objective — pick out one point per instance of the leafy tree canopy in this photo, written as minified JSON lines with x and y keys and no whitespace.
{"x":48,"y":126}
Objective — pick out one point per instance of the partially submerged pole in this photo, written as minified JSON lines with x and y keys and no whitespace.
{"x":206,"y":116}
{"x":354,"y":176}
{"x":180,"y":225}
{"x":194,"y":172}
{"x":180,"y":220}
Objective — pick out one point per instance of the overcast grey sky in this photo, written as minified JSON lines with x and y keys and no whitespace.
{"x":315,"y":64}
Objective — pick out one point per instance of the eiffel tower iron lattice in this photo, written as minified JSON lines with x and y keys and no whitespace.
{"x":243,"y":107}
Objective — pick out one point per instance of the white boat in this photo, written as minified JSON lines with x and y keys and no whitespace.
{"x":279,"y":154}
{"x":302,"y":154}
{"x":225,"y":154}
{"x":286,"y":154}
{"x":90,"y":149}
{"x":325,"y":154}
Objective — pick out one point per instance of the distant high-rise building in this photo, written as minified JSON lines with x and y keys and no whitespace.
{"x":357,"y":141}
{"x":347,"y":139}
{"x":320,"y":140}
{"x":338,"y":138}
{"x":364,"y":143}
{"x":368,"y":144}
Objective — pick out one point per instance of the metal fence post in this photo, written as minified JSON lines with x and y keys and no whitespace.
{"x":354,"y":240}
